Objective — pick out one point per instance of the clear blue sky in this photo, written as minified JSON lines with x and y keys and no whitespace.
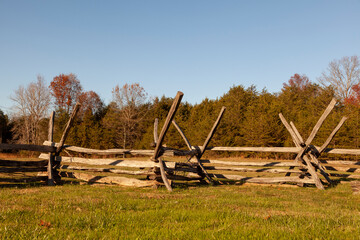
{"x":201,"y":47}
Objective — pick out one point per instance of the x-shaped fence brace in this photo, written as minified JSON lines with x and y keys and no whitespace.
{"x":197,"y":151}
{"x":53,"y":175}
{"x":308,"y":155}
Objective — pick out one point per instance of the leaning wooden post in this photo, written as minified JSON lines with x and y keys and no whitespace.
{"x":332,"y":135}
{"x":290,"y":130}
{"x":297,"y":133}
{"x":182,"y":135}
{"x":207,"y":141}
{"x":67,"y":128}
{"x":163,"y":132}
{"x":50,"y":170}
{"x":211,"y":133}
{"x":156,"y":135}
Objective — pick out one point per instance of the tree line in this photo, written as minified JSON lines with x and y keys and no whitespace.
{"x":251,"y":118}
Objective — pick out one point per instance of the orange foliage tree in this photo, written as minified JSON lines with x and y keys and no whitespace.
{"x":66,"y":90}
{"x":299,"y":82}
{"x":90,"y":101}
{"x":354,"y":97}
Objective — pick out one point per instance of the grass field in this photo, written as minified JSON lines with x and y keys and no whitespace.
{"x":216,"y":212}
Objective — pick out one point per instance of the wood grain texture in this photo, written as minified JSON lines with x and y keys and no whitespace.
{"x":67,"y":128}
{"x":109,"y":161}
{"x":175,"y":105}
{"x":123,"y":181}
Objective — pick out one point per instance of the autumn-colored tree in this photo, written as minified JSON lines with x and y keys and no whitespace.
{"x":297,"y":82}
{"x":354,"y":97}
{"x":66,"y":90}
{"x":90,"y":100}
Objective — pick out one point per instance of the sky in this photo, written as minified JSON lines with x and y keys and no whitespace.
{"x":199,"y":47}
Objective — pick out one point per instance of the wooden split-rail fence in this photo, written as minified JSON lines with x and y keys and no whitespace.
{"x":189,"y":166}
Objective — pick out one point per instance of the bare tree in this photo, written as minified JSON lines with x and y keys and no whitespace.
{"x":31,"y":106}
{"x":342,"y":75}
{"x":130,"y":100}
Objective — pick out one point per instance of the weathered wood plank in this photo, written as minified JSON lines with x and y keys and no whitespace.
{"x":301,"y":140}
{"x":298,"y":141}
{"x":345,"y":175}
{"x":51,"y":127}
{"x":175,"y":105}
{"x":284,"y":150}
{"x":320,"y":121}
{"x":182,"y":135}
{"x":109,"y":161}
{"x":123,"y":181}
{"x":332,"y":135}
{"x":67,"y":128}
{"x":194,"y":177}
{"x":206,"y":143}
{"x":258,"y":164}
{"x":342,"y":151}
{"x":212,"y":132}
{"x":167,"y":152}
{"x":292,"y":132}
{"x":257,"y":149}
{"x":343,"y":169}
{"x":50,"y":170}
{"x":340,"y":162}
{"x":110,"y":170}
{"x":313,"y":173}
{"x":267,"y":180}
{"x":237,"y":169}
{"x":156,"y":126}
{"x":163,"y":175}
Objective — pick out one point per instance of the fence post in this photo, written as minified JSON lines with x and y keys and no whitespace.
{"x":50,"y":166}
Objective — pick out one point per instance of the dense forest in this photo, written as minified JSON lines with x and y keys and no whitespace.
{"x":251,"y":117}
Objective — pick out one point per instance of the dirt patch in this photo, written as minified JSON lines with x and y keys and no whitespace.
{"x":355,"y":186}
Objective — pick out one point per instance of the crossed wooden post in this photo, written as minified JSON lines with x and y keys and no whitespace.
{"x":53,"y":175}
{"x":308,"y":155}
{"x":198,"y":151}
{"x":201,"y":150}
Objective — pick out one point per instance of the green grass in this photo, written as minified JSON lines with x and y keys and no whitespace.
{"x":220,"y":212}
